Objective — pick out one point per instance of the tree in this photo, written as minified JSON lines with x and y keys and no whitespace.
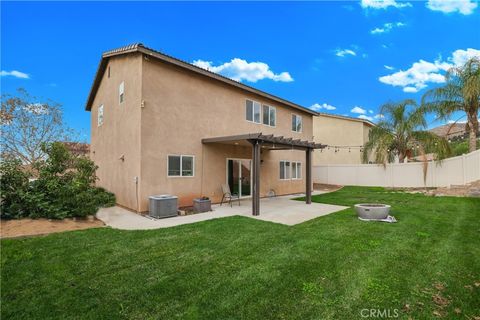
{"x":27,"y":125}
{"x":460,"y":93}
{"x":400,"y":133}
{"x":65,"y":187}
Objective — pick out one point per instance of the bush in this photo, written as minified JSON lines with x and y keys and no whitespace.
{"x":461,"y":147}
{"x":14,"y":189}
{"x":64,"y":188}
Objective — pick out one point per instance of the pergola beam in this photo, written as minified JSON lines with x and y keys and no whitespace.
{"x":308,"y":179}
{"x":256,"y":146}
{"x":272,"y":142}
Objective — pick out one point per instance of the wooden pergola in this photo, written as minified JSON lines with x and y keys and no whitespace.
{"x":260,"y":141}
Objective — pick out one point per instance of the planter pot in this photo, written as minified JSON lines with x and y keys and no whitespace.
{"x":200,"y":205}
{"x":372,"y":211}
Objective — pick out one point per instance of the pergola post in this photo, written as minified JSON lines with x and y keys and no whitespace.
{"x":308,"y":178}
{"x":256,"y":177}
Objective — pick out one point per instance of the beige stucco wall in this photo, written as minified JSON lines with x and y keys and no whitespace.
{"x":180,"y":109}
{"x":339,"y":132}
{"x":120,"y":133}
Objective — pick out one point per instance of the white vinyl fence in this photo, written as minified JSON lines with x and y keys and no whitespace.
{"x":453,"y":171}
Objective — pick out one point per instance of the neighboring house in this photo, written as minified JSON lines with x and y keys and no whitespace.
{"x":163,"y":126}
{"x":345,"y":137}
{"x":77,"y":148}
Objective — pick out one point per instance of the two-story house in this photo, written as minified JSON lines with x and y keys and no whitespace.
{"x":160,"y":125}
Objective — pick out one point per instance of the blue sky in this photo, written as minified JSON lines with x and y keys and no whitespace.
{"x":344,"y":55}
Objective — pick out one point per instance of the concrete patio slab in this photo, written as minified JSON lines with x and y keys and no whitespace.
{"x":280,"y":209}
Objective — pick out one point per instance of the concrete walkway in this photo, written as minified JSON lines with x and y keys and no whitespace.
{"x":278,"y":209}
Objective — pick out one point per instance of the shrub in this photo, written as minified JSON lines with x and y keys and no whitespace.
{"x":64,"y":188}
{"x":14,"y":188}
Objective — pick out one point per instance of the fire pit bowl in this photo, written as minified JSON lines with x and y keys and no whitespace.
{"x":372,"y":211}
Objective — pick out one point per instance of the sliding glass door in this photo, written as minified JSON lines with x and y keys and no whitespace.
{"x":239,"y":176}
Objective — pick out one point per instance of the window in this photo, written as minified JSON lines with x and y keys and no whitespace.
{"x":296,"y":170}
{"x":296,"y":123}
{"x":284,"y":170}
{"x":187,"y":166}
{"x":121,"y":92}
{"x":252,"y":110}
{"x":100,"y":115}
{"x":269,"y":115}
{"x":109,"y":71}
{"x":180,"y":166}
{"x":290,"y":170}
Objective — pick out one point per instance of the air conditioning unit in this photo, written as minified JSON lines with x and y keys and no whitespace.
{"x":163,"y":206}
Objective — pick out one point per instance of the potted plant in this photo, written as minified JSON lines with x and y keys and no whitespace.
{"x":202,"y":204}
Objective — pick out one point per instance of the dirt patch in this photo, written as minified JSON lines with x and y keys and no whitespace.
{"x":34,"y":227}
{"x":326,"y":187}
{"x":468,"y":190}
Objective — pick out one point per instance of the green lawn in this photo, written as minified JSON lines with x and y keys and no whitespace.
{"x":332,"y":267}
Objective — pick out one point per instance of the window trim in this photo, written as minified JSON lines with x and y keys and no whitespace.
{"x":301,"y":120}
{"x":291,"y":170}
{"x":121,"y":92}
{"x":284,"y":170}
{"x":253,"y":112}
{"x":263,"y":118}
{"x":100,"y":107}
{"x":296,"y":170}
{"x":181,"y":164}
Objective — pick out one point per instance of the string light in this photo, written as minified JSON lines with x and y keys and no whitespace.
{"x":337,"y":149}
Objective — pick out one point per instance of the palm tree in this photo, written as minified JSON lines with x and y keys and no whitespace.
{"x":460,"y":93}
{"x":400,"y":133}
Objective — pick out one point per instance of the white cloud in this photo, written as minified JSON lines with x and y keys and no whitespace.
{"x":344,"y":52}
{"x":362,"y":116}
{"x":14,"y":73}
{"x":387,"y":27}
{"x":324,"y":106}
{"x":459,"y":57}
{"x":371,"y":118}
{"x":449,"y":6}
{"x":239,"y":70}
{"x":422,"y":72}
{"x":459,"y":121}
{"x":389,"y":67}
{"x":370,"y":111}
{"x":383,"y":4}
{"x":359,"y":110}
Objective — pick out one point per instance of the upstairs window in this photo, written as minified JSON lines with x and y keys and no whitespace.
{"x":296,"y":123}
{"x":100,"y":115}
{"x":252,"y":111}
{"x":180,"y":166}
{"x":269,"y":115}
{"x":121,"y":92}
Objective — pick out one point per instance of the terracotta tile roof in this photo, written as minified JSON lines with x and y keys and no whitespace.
{"x":77,"y":148}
